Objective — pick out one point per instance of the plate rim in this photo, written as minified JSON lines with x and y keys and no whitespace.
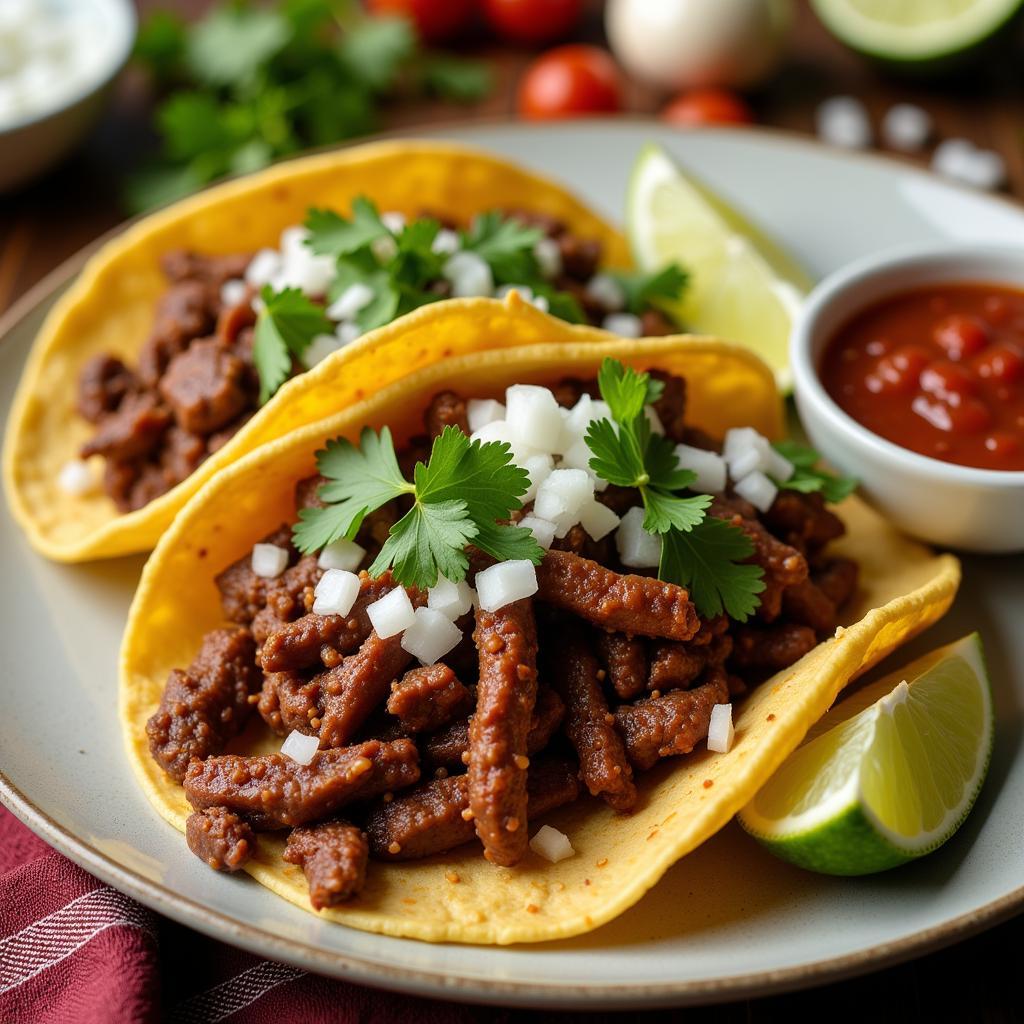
{"x":444,"y":983}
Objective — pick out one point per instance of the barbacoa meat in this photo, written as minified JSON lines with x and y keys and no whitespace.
{"x":427,"y":698}
{"x":273,"y":791}
{"x":243,"y":594}
{"x":204,"y":706}
{"x":289,"y":703}
{"x":333,"y":858}
{"x":220,"y":838}
{"x":625,"y":660}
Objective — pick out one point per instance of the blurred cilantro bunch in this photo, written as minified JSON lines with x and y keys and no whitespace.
{"x":246,"y":85}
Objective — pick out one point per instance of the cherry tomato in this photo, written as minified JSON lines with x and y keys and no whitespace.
{"x":436,"y":20}
{"x":1002,"y":363}
{"x":967,"y":416}
{"x":948,"y":380}
{"x":1003,"y":443}
{"x":570,"y":80}
{"x":533,"y":21}
{"x":960,"y":336}
{"x":707,"y":106}
{"x":898,"y":372}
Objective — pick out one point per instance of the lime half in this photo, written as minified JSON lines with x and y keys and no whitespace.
{"x":915,"y":31}
{"x":881,"y":784}
{"x":742,"y":287}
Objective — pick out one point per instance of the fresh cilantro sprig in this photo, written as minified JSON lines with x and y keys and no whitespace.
{"x":458,"y":497}
{"x":285,"y":328}
{"x":808,"y":477}
{"x":706,"y":555}
{"x":246,"y":84}
{"x":645,"y":289}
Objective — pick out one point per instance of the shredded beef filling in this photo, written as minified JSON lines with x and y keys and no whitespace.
{"x":220,"y":838}
{"x":333,"y":858}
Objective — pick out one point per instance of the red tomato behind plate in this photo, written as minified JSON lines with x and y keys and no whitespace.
{"x":707,"y":106}
{"x":568,"y":80}
{"x":533,"y":21}
{"x":435,"y":20}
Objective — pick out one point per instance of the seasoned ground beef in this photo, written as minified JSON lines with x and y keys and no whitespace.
{"x":771,"y":648}
{"x":333,"y":858}
{"x":220,"y":838}
{"x":206,"y":386}
{"x":446,"y":409}
{"x":133,"y":431}
{"x":427,"y":698}
{"x":103,"y":384}
{"x":289,"y":703}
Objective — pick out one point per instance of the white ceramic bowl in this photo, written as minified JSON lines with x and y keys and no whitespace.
{"x":36,"y":141}
{"x":947,"y":504}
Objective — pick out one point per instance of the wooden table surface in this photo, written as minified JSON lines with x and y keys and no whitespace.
{"x":51,"y":219}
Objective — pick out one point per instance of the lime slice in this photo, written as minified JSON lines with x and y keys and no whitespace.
{"x":886,"y":776}
{"x":742,"y":287}
{"x":915,"y":32}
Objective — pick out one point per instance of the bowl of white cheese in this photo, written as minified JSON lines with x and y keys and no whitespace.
{"x":57,"y":59}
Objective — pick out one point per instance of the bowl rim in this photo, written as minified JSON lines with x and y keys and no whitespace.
{"x":123,"y":11}
{"x":874,"y":270}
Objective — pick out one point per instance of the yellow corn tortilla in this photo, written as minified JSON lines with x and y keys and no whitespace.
{"x":684,"y":801}
{"x":110,"y":308}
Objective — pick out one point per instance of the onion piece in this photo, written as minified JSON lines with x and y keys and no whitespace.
{"x":300,"y":747}
{"x":450,"y":599}
{"x":505,"y":582}
{"x":431,"y":636}
{"x":268,"y":560}
{"x":77,"y":478}
{"x":533,"y":416}
{"x":335,"y":593}
{"x":637,"y":548}
{"x":542,"y":529}
{"x":551,"y":844}
{"x":391,"y":614}
{"x":342,"y":554}
{"x":757,"y":489}
{"x":720,"y":730}
{"x":709,"y":467}
{"x":625,"y":325}
{"x":481,"y":411}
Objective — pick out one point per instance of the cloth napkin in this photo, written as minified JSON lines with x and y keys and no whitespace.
{"x":75,"y":951}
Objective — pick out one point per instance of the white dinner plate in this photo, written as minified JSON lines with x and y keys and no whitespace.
{"x":727,"y":920}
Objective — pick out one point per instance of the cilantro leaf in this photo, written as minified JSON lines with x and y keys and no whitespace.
{"x":330,"y":234}
{"x":707,"y":561}
{"x":429,"y":540}
{"x":359,"y":481}
{"x":285,"y":327}
{"x":506,"y":542}
{"x":664,"y":512}
{"x":457,"y":79}
{"x":642,"y":288}
{"x":374,"y":50}
{"x":227,"y":45}
{"x":807,"y":478}
{"x":625,"y":390}
{"x":612,"y":461}
{"x":506,"y":244}
{"x":160,"y":44}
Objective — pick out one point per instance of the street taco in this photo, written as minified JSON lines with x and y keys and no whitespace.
{"x":553,"y":710}
{"x":260,"y":305}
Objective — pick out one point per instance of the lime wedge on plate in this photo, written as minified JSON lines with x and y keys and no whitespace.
{"x":742,"y":287}
{"x":912,"y":32}
{"x":886,"y":776}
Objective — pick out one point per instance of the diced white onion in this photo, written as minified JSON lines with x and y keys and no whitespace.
{"x":342,"y":554}
{"x":355,"y":297}
{"x":450,"y":599}
{"x":268,"y":560}
{"x":262,"y":267}
{"x":539,"y":468}
{"x":626,"y":325}
{"x":469,"y":275}
{"x":300,"y":747}
{"x":906,"y":127}
{"x":392,"y":613}
{"x":534,"y":417}
{"x":709,"y":467}
{"x":233,"y":292}
{"x":393,"y":221}
{"x":501,"y":432}
{"x":720,"y":730}
{"x":319,"y":349}
{"x":431,"y":636}
{"x":551,"y":844}
{"x":637,"y":548}
{"x":843,"y":121}
{"x":543,"y":531}
{"x":541,"y":302}
{"x":549,"y":257}
{"x":347,"y":332}
{"x":780,"y":468}
{"x":446,"y":242}
{"x":525,"y":291}
{"x":481,"y":411}
{"x":384,"y":248}
{"x":336,"y":592}
{"x":77,"y":478}
{"x":757,"y":489}
{"x":505,"y":582}
{"x":597,"y":519}
{"x":562,"y":496}
{"x":604,"y":290}
{"x":293,"y":241}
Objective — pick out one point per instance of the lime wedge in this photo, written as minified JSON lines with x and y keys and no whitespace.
{"x":886,"y":776}
{"x":742,"y":287}
{"x":915,"y":32}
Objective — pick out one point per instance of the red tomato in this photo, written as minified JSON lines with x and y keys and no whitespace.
{"x":707,"y":106}
{"x":533,"y":21}
{"x":435,"y":20}
{"x":568,"y":80}
{"x":961,"y":336}
{"x":898,"y":372}
{"x":1001,"y":362}
{"x":948,"y":381}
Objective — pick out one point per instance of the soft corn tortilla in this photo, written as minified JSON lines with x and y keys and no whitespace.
{"x":684,"y":800}
{"x":110,"y":308}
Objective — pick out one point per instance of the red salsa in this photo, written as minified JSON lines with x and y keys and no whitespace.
{"x":938,"y":370}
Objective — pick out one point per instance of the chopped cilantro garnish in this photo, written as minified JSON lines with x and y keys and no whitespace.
{"x":808,"y":479}
{"x":643,"y":289}
{"x":703,"y":554}
{"x":286,"y":327}
{"x":458,"y":496}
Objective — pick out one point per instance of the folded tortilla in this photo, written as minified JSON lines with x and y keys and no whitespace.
{"x":904,"y":588}
{"x":110,"y":308}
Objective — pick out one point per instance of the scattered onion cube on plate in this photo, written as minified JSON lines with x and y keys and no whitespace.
{"x":597,"y":519}
{"x":300,"y":747}
{"x":392,"y":613}
{"x":268,"y":560}
{"x":450,"y":599}
{"x":533,"y":416}
{"x":431,"y":636}
{"x":76,"y":478}
{"x":342,"y":554}
{"x":335,"y":593}
{"x":637,"y":548}
{"x":709,"y":467}
{"x":543,"y":531}
{"x":551,"y":844}
{"x":481,"y":411}
{"x":505,"y":582}
{"x":720,"y":730}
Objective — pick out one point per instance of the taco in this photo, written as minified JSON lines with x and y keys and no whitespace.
{"x":468,"y":709}
{"x":260,"y":305}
